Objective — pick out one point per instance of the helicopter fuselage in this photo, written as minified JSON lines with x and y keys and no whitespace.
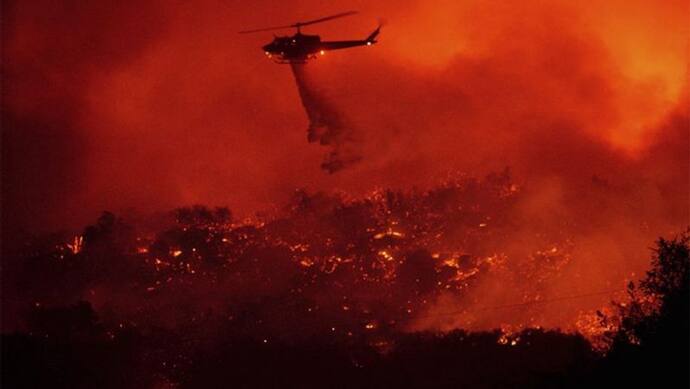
{"x":301,"y":47}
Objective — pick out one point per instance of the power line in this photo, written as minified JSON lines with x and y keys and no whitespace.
{"x":526,"y":303}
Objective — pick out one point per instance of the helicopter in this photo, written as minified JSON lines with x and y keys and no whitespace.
{"x":300,"y":48}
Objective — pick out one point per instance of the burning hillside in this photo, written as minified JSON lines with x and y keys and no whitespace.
{"x":358,"y":279}
{"x":326,"y":264}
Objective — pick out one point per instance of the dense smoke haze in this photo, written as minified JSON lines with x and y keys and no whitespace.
{"x":139,"y":109}
{"x":115,"y":106}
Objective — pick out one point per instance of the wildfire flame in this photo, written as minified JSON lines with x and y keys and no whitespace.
{"x":423,"y":254}
{"x":76,"y":245}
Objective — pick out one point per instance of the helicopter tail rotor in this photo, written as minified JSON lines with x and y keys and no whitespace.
{"x":372,"y":37}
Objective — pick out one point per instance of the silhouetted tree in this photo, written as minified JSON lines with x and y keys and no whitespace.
{"x":651,"y":344}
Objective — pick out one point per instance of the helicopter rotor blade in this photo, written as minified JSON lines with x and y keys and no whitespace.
{"x":266,"y":29}
{"x":300,"y":24}
{"x":319,"y":20}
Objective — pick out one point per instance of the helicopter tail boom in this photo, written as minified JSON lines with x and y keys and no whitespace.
{"x":335,"y":45}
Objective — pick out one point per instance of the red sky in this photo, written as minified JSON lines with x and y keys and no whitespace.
{"x":158,"y":104}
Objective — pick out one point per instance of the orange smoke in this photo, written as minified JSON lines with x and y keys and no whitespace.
{"x":141,"y":109}
{"x":172,"y":88}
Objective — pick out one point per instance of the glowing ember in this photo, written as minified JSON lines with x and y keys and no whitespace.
{"x":77,"y":244}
